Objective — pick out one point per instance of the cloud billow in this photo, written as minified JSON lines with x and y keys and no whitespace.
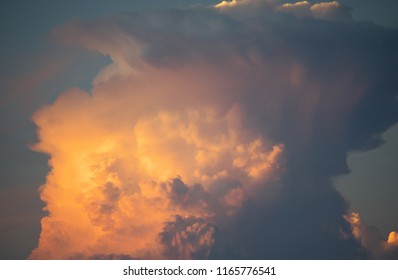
{"x":215,"y":133}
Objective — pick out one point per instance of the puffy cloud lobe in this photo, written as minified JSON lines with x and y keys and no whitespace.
{"x":302,"y":8}
{"x":213,"y":147}
{"x":214,"y":123}
{"x":245,"y":3}
{"x":329,"y":10}
{"x":371,"y":239}
{"x":323,"y":10}
{"x":393,"y":238}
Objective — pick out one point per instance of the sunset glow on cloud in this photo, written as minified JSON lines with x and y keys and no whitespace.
{"x":213,"y":134}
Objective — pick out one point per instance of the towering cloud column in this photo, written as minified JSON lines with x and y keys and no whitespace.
{"x":215,"y":132}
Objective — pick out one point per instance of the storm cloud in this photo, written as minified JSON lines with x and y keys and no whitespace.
{"x":215,"y":133}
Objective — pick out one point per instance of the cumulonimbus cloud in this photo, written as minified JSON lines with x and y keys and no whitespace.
{"x":215,"y":134}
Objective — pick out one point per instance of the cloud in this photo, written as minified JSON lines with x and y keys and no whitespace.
{"x":323,"y":10}
{"x":128,"y":179}
{"x":330,"y":10}
{"x":302,"y":8}
{"x":214,"y":123}
{"x":243,"y":3}
{"x":371,"y":240}
{"x":188,"y":238}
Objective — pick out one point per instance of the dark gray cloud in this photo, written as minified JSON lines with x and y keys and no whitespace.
{"x":194,"y":238}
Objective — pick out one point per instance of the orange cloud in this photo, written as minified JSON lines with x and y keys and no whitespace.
{"x":392,"y":239}
{"x":370,"y":239}
{"x":114,"y":154}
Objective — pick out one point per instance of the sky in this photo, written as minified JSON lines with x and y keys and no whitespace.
{"x":246,"y":129}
